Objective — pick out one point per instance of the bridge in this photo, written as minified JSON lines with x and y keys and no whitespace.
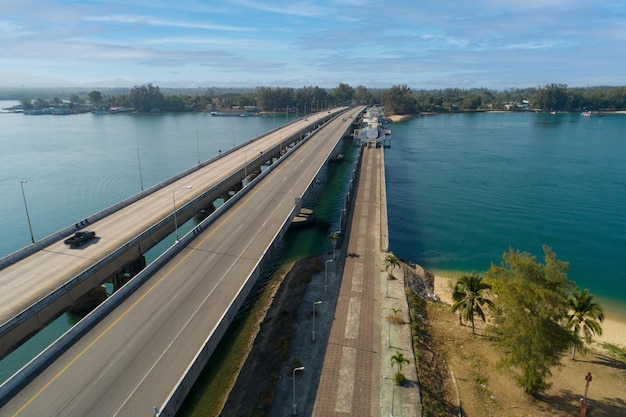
{"x":42,"y":281}
{"x":151,"y":341}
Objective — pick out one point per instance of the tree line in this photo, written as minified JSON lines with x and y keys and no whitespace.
{"x":399,"y":99}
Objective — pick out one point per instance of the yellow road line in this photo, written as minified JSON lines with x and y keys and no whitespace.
{"x":128,"y":310}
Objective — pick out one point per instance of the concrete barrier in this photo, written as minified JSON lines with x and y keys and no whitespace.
{"x":67,"y":231}
{"x":14,"y":384}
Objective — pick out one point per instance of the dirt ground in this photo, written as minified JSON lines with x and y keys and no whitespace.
{"x":253,"y":391}
{"x":484,"y":390}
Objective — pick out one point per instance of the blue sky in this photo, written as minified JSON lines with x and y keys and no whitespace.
{"x":495,"y":44}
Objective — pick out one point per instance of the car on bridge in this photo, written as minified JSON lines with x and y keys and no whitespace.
{"x":80,"y":238}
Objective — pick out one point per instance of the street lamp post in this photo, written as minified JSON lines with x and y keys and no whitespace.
{"x":387,"y":287}
{"x":245,"y":163}
{"x":233,"y":125}
{"x":140,"y":175}
{"x":198,"y":146}
{"x":313,"y":332}
{"x":30,"y":226}
{"x":174,"y":199}
{"x":393,"y":393}
{"x":388,"y":328}
{"x":337,"y":233}
{"x":326,"y":275}
{"x":295,"y":406}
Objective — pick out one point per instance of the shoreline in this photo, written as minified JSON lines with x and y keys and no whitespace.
{"x":613,"y":326}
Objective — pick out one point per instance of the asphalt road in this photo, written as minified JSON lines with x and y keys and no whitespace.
{"x":131,"y":361}
{"x":30,"y":280}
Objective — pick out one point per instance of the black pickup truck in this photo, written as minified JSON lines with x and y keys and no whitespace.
{"x":79,"y":238}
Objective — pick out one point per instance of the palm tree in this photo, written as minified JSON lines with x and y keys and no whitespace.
{"x":332,"y":238}
{"x":468,"y":296}
{"x":395,"y":319}
{"x":399,"y":359}
{"x":584,"y":315}
{"x":391,"y":262}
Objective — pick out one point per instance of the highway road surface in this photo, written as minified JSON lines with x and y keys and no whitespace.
{"x":129,"y":362}
{"x":26,"y":282}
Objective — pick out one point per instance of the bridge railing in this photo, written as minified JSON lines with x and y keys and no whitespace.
{"x":56,"y":236}
{"x":27,"y":373}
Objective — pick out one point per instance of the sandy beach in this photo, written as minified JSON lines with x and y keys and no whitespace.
{"x":613,"y":326}
{"x":398,"y":118}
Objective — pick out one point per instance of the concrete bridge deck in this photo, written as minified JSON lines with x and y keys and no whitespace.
{"x":39,"y":287}
{"x":138,"y":356}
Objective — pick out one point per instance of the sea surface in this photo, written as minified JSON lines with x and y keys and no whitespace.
{"x":462,"y":189}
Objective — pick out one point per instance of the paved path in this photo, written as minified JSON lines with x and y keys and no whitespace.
{"x":350,"y":382}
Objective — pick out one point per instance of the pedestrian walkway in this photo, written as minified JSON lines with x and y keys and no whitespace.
{"x":346,"y":352}
{"x":362,"y":341}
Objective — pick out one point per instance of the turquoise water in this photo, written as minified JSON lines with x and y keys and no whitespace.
{"x":464,"y":188}
{"x":78,"y":165}
{"x":461,"y":188}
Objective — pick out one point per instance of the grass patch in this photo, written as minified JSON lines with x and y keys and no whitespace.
{"x":615,"y":351}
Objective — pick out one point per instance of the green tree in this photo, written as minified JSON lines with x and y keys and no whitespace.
{"x":362,"y":94}
{"x":146,"y":98}
{"x":391,"y":262}
{"x":333,"y":238}
{"x":398,"y":359}
{"x":530,"y":311}
{"x":95,"y":97}
{"x":552,"y":97}
{"x":469,"y":298}
{"x":398,"y":100}
{"x":27,"y":104}
{"x":585,"y":315}
{"x":343,"y":93}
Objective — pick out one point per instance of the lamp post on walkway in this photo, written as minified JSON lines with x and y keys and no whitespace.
{"x":388,"y":328}
{"x":313,"y":332}
{"x":393,"y":392}
{"x":295,"y":406}
{"x":387,"y":286}
{"x":174,"y":199}
{"x":140,"y":175}
{"x":326,"y":275}
{"x":30,"y":227}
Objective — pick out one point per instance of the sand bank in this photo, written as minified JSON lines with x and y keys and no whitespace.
{"x":398,"y":117}
{"x":613,"y":327}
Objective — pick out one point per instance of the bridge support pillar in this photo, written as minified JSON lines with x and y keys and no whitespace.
{"x":89,"y":301}
{"x":129,"y":271}
{"x":236,"y":188}
{"x":205,"y":212}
